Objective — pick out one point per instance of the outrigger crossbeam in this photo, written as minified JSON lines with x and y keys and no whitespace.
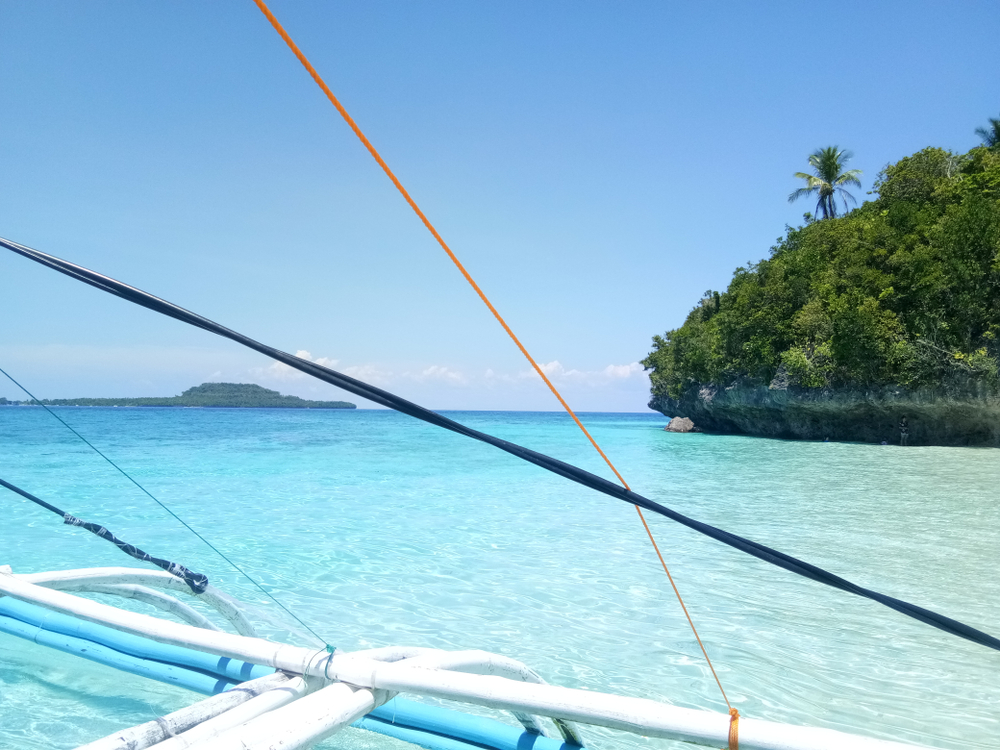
{"x":314,"y":693}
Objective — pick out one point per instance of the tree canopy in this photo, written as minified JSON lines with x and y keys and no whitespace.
{"x":904,"y":290}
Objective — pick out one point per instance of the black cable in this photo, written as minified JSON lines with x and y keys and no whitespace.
{"x":32,"y":498}
{"x":554,"y":465}
{"x":197,"y":582}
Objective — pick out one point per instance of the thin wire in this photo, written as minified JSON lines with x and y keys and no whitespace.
{"x":158,"y":502}
{"x":482,"y":295}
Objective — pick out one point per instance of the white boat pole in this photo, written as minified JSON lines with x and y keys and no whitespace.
{"x":300,"y":724}
{"x":394,"y":653}
{"x":255,"y":650}
{"x":485,"y":663}
{"x":163,"y":602}
{"x":280,"y":696}
{"x":635,"y":715}
{"x":80,"y":579}
{"x":146,"y":735}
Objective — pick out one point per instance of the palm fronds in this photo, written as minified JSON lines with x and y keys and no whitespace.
{"x":828,"y":180}
{"x":991,"y":134}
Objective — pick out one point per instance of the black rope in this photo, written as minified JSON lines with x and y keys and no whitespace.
{"x":197,"y":579}
{"x":197,"y":582}
{"x":563,"y":469}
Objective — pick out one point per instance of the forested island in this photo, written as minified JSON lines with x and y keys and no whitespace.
{"x":878,"y":325}
{"x":206,"y":395}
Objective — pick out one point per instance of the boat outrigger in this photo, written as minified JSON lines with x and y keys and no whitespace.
{"x":272,"y":695}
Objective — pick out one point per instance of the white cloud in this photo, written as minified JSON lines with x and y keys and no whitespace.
{"x":558,"y":374}
{"x":441,"y":373}
{"x":617,"y":372}
{"x":433,"y":381}
{"x":553,"y":370}
{"x":369,"y":374}
{"x":324,"y":361}
{"x":281,"y":372}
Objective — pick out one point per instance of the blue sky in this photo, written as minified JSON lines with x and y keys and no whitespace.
{"x":597,"y":166}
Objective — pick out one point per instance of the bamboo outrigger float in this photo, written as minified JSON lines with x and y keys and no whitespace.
{"x":312,"y":694}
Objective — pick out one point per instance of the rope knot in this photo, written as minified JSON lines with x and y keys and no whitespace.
{"x":734,"y":729}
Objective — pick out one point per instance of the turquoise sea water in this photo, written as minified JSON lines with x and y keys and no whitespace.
{"x":377,"y":529}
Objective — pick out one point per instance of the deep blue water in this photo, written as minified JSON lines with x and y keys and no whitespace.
{"x":377,"y":529}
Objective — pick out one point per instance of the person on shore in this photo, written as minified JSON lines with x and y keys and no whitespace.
{"x":904,"y":432}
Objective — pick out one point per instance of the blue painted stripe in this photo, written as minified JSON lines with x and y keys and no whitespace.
{"x":426,"y":726}
{"x":131,"y":645}
{"x":414,"y":736}
{"x":400,"y":718}
{"x":200,"y":682}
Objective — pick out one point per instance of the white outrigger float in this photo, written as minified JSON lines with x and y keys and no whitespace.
{"x":272,"y":695}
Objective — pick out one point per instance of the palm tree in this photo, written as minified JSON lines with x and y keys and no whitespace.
{"x":828,"y":180}
{"x":990,"y":135}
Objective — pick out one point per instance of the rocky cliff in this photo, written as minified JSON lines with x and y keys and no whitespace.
{"x":965,"y":416}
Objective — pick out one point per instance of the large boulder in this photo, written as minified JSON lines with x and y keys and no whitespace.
{"x":681,"y":424}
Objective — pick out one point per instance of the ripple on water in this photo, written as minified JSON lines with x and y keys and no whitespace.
{"x":378,"y":530}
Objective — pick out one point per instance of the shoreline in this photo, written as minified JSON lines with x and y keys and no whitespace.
{"x":968,"y":417}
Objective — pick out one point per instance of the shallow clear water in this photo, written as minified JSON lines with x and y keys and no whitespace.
{"x":376,"y":529}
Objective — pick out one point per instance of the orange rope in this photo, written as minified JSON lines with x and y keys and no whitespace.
{"x":430,"y":227}
{"x":681,"y":600}
{"x":454,"y":259}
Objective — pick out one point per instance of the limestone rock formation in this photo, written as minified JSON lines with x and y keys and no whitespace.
{"x":939,"y":416}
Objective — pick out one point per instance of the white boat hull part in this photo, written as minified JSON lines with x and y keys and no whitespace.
{"x":154,"y":732}
{"x":303,"y":723}
{"x":282,"y":695}
{"x":362,"y":681}
{"x":83,"y":579}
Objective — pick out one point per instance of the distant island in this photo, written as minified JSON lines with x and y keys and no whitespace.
{"x":206,"y":395}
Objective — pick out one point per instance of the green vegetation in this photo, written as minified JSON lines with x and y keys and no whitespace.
{"x":217,"y":395}
{"x":828,"y":180}
{"x":904,"y":290}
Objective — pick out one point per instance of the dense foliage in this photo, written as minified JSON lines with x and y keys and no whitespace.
{"x":218,"y":395}
{"x":904,"y":290}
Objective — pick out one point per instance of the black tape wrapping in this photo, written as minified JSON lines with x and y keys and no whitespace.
{"x":563,"y":469}
{"x":197,"y":582}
